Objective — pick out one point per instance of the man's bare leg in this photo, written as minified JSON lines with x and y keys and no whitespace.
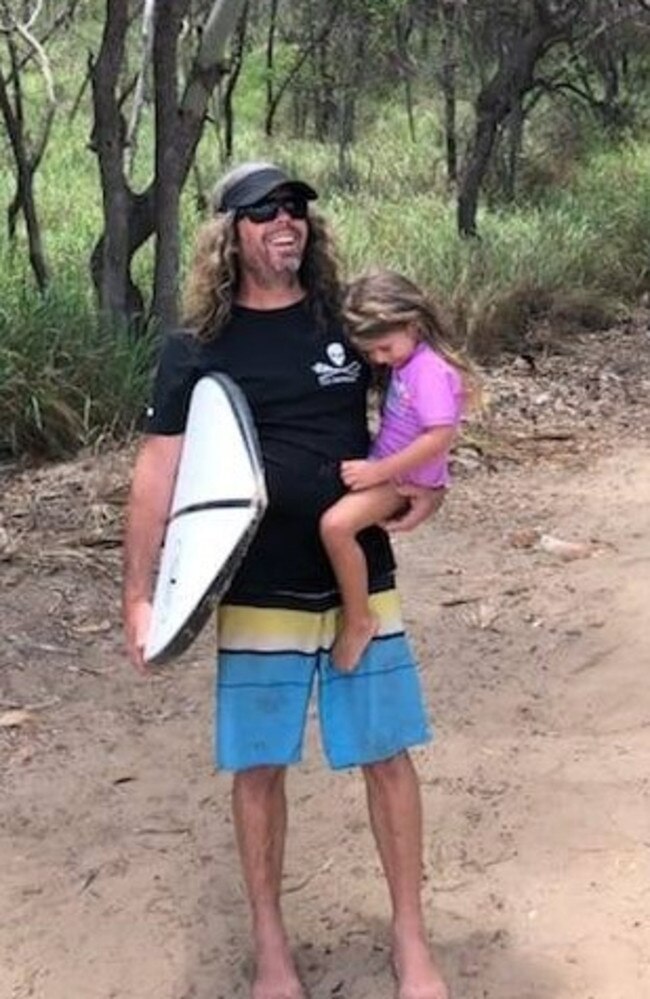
{"x":260,"y":814}
{"x":396,"y":819}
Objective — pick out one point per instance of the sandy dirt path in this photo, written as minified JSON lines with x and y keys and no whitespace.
{"x":117,"y":868}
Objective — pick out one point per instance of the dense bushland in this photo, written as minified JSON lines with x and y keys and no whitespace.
{"x":573,"y":248}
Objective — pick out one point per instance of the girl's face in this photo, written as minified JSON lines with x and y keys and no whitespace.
{"x":393,"y":349}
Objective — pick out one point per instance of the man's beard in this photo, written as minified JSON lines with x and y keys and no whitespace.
{"x":287,"y":263}
{"x":271,"y":266}
{"x":293,"y":263}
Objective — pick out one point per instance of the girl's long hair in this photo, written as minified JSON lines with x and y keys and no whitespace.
{"x":213,"y":279}
{"x":384,"y":301}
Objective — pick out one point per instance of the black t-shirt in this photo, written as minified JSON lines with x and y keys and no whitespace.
{"x":307,"y":393}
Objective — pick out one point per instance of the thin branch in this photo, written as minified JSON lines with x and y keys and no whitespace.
{"x":32,"y":19}
{"x":138,"y":98}
{"x":76,"y":104}
{"x":62,"y":19}
{"x":299,"y":63}
{"x":14,"y":23}
{"x":26,"y":35}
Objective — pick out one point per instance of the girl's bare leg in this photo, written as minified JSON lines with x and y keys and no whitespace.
{"x":339,"y":527}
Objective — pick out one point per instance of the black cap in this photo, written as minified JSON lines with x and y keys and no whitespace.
{"x":252,"y":182}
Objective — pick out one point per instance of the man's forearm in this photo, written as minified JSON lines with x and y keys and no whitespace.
{"x":151,"y":491}
{"x":142,"y":540}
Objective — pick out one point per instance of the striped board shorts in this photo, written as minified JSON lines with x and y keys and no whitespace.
{"x":268,"y":661}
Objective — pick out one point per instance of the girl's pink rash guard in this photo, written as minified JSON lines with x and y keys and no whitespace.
{"x":425,"y":392}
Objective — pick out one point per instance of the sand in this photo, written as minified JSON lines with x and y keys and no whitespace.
{"x":118,"y":872}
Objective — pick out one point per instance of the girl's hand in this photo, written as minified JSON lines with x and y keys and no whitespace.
{"x":361,"y":474}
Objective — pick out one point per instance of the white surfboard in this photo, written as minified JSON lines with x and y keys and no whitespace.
{"x":218,"y":501}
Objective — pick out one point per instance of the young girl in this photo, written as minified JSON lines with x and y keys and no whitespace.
{"x":396,"y":325}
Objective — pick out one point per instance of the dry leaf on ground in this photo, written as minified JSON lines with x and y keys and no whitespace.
{"x":16,"y":718}
{"x":566,"y":550}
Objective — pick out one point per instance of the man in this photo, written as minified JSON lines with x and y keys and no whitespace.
{"x":262,"y":304}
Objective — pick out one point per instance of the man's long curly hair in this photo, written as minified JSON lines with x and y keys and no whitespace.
{"x":213,"y":279}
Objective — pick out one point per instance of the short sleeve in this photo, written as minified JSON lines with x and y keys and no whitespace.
{"x":175,"y":377}
{"x":436,"y":390}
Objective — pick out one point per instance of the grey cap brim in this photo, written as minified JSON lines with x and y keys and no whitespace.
{"x":243,"y":189}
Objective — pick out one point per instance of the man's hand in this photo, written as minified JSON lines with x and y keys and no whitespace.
{"x":361,"y":474}
{"x":137,"y":618}
{"x":149,"y":502}
{"x":422,"y":504}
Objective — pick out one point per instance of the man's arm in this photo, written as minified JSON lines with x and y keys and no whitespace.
{"x":152,"y":486}
{"x":423,"y":503}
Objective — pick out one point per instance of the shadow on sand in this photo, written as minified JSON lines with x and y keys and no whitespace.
{"x":357,"y":966}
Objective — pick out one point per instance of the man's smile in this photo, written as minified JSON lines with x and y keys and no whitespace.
{"x":283,"y":239}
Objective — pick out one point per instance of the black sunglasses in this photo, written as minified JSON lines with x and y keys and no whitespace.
{"x":267,"y":211}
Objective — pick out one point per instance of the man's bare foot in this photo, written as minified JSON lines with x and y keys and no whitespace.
{"x":352,"y":641}
{"x":268,"y":989}
{"x":276,"y":976}
{"x":416,"y":972}
{"x":279,"y":983}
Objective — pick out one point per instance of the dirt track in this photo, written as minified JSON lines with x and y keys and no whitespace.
{"x":117,"y":865}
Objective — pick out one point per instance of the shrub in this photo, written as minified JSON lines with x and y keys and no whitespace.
{"x":64,"y":381}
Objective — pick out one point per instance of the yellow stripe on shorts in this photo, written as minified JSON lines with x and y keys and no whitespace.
{"x":272,"y":629}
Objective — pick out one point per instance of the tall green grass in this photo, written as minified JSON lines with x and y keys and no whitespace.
{"x":65,"y":382}
{"x":594,"y":234}
{"x":582,"y":250}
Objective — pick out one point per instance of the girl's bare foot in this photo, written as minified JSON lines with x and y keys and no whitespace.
{"x":352,"y":641}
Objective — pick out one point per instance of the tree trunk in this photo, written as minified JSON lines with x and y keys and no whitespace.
{"x":350,"y":81}
{"x":167,"y":27}
{"x":324,"y":99}
{"x":34,"y":236}
{"x":130,"y":219}
{"x":299,"y":113}
{"x":402,"y":32}
{"x":270,"y":50}
{"x":512,"y":80}
{"x":514,"y":146}
{"x":236,"y":64}
{"x":312,"y":43}
{"x":148,"y":18}
{"x":27,"y":161}
{"x":110,"y":257}
{"x":314,"y":49}
{"x":448,"y":76}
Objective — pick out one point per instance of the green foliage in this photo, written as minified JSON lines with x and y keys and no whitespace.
{"x":574,"y":258}
{"x":595,"y":234}
{"x":571,"y":250}
{"x":64,"y":381}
